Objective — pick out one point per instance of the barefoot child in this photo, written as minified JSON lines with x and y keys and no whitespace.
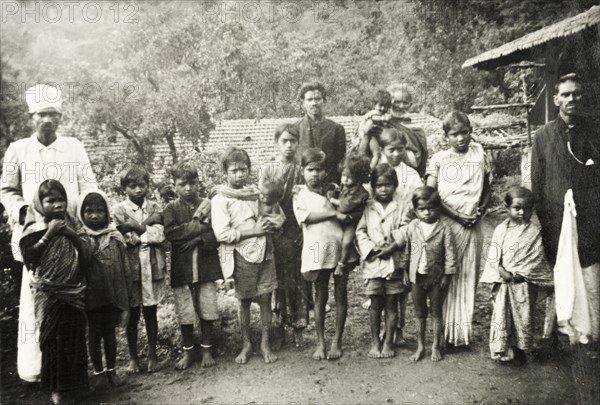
{"x":322,"y":247}
{"x":351,"y":200}
{"x":108,"y":282}
{"x":246,"y":249}
{"x":381,"y":258}
{"x":291,"y":296}
{"x":515,"y":265}
{"x":140,"y":222}
{"x":194,"y":264}
{"x":54,"y":250}
{"x":393,"y":143}
{"x":432,"y":261}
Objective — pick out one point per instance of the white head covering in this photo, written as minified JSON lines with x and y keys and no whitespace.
{"x":43,"y":98}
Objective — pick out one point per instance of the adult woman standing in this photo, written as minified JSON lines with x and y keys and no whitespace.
{"x":461,"y":175}
{"x":291,"y":295}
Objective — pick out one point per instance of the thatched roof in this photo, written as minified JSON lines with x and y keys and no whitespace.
{"x":522,"y":48}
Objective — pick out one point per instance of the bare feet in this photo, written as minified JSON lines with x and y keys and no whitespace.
{"x":153,"y":364}
{"x":298,"y":338}
{"x":335,"y":352}
{"x":320,"y":353}
{"x":387,"y":351}
{"x":207,"y":358}
{"x":400,"y":341}
{"x":245,"y":354}
{"x":375,"y":352}
{"x":114,"y":379}
{"x":418,"y":355}
{"x":134,"y":366}
{"x":186,"y":361}
{"x":436,"y":355}
{"x":268,"y":355}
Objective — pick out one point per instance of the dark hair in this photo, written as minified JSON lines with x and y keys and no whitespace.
{"x":273,"y":187}
{"x":571,"y":77}
{"x":426,"y":194}
{"x":291,"y":129}
{"x":94,"y":197}
{"x":312,"y":86}
{"x":50,"y":185}
{"x":518,"y":192}
{"x":384,"y":170}
{"x":453,"y":118}
{"x":184,"y":170}
{"x":383,"y":98}
{"x":134,"y":174}
{"x":234,"y":155}
{"x":313,"y":155}
{"x":167,"y":193}
{"x":391,"y":135}
{"x":358,"y":166}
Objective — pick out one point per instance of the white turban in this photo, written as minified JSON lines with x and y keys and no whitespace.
{"x":43,"y":98}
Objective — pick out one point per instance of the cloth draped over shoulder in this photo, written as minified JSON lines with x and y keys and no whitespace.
{"x":519,"y":250}
{"x":56,"y":277}
{"x":108,"y":272}
{"x":234,"y":210}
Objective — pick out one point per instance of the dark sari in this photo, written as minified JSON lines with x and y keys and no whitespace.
{"x":291,"y":295}
{"x":58,"y":291}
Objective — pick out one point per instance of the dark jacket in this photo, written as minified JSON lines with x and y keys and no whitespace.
{"x":330,"y":137}
{"x":180,"y":227}
{"x":554,"y":170}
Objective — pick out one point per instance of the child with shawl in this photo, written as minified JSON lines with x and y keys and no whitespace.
{"x":53,"y":248}
{"x":108,"y":283}
{"x":515,"y":265}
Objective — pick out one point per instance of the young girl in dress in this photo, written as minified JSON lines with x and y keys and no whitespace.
{"x":515,"y":265}
{"x":54,"y":249}
{"x":322,"y":233}
{"x":108,"y":283}
{"x":461,"y":174}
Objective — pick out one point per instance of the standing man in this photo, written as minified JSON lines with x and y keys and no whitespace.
{"x":317,"y":131}
{"x":566,"y":155}
{"x":416,"y":147}
{"x":27,"y":163}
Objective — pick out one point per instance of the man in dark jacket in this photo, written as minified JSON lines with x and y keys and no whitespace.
{"x":316,"y":131}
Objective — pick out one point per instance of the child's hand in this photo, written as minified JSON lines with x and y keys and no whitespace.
{"x":481,"y":210}
{"x":153,"y":219}
{"x":55,"y":227}
{"x":124,"y":319}
{"x":506,"y":276}
{"x":405,"y":278}
{"x":343,"y":218}
{"x":386,"y":252}
{"x":373,"y":254}
{"x":444,"y":282}
{"x":190,"y":244}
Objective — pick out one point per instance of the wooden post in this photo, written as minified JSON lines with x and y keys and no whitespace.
{"x":552,"y":55}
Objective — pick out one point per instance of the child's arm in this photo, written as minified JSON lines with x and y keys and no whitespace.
{"x":176,"y":232}
{"x":278,"y":217}
{"x":400,"y":236}
{"x":81,"y":244}
{"x":450,"y":262}
{"x":366,"y":247}
{"x":375,"y":151}
{"x":155,"y":230}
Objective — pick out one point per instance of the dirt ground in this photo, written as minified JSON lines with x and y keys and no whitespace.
{"x":463,"y":376}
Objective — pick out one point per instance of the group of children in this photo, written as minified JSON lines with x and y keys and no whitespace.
{"x":382,"y":218}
